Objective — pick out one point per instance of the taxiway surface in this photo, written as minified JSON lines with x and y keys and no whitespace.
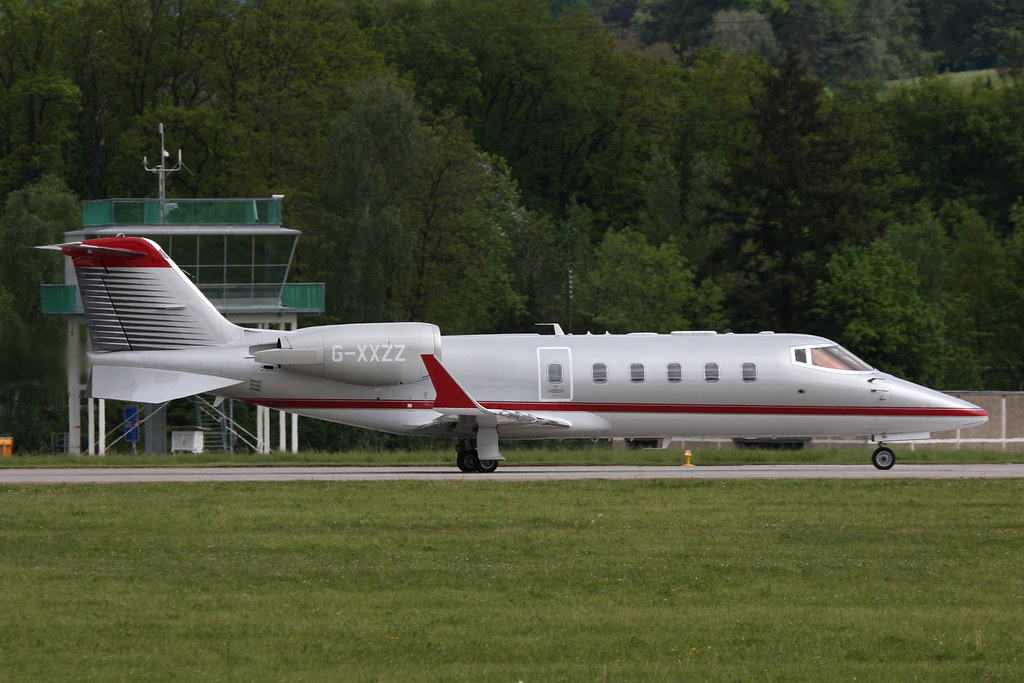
{"x":103,"y":475}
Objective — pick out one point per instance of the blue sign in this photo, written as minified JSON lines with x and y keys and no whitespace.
{"x":131,"y":423}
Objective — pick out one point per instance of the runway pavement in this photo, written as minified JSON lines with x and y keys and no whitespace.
{"x":91,"y":475}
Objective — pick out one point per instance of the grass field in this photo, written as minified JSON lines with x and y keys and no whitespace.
{"x":472,"y":580}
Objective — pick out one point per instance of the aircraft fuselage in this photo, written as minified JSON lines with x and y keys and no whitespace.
{"x":635,"y":386}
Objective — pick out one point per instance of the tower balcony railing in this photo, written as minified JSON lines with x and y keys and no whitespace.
{"x":292,"y":297}
{"x":181,"y":212}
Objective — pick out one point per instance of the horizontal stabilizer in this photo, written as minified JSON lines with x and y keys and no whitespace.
{"x":151,"y":385}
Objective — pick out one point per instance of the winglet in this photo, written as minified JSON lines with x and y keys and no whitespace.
{"x":450,"y":394}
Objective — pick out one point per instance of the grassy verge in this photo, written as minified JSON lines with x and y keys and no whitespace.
{"x":519,"y":455}
{"x":693,"y":580}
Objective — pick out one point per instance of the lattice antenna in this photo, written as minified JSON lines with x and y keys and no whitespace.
{"x":162,"y":170}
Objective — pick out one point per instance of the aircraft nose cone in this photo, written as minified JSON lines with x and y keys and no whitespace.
{"x":943,"y":411}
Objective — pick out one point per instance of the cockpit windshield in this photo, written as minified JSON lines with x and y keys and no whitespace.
{"x":831,"y":357}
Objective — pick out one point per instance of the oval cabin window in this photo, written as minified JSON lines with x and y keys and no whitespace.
{"x":674,"y":372}
{"x":554,"y":373}
{"x":711,"y":372}
{"x":636,"y":372}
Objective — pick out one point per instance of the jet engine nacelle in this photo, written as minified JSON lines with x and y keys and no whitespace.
{"x":370,"y":354}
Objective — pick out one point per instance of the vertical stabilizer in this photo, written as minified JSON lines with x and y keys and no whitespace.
{"x":137,"y":299}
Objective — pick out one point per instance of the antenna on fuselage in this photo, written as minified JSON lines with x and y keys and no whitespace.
{"x":161,"y":170}
{"x":555,"y":327}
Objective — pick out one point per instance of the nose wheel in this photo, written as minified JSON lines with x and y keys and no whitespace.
{"x":883,"y":458}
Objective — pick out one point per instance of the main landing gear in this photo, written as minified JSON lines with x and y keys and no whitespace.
{"x":883,"y":458}
{"x":469,"y":461}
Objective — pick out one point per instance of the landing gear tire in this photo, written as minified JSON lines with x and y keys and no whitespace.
{"x":468,"y":462}
{"x":486,"y":466}
{"x":883,"y":458}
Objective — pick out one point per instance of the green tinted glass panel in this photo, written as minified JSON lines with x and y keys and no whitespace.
{"x":269,"y":273}
{"x":273,"y":249}
{"x":209,"y":275}
{"x":239,"y":274}
{"x":239,"y":250}
{"x":211,"y":250}
{"x":183,"y":250}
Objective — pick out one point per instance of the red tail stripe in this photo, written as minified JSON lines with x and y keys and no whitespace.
{"x":117,"y":252}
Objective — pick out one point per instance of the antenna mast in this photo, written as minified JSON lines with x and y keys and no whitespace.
{"x":161,"y":170}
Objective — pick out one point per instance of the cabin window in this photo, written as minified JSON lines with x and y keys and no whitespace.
{"x":555,"y":373}
{"x":674,"y":372}
{"x":711,"y":372}
{"x":636,"y":372}
{"x":600,"y":373}
{"x":749,"y":372}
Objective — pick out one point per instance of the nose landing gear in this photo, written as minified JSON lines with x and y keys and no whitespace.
{"x":883,"y":458}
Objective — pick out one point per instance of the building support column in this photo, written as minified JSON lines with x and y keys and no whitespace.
{"x":295,"y":433}
{"x":282,"y":435}
{"x":156,"y":428}
{"x":91,"y":412}
{"x":74,"y":389}
{"x":102,"y":408}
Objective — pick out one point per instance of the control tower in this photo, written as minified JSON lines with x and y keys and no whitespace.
{"x":238,"y":254}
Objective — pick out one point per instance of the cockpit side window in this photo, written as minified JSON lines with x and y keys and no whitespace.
{"x":830,"y":357}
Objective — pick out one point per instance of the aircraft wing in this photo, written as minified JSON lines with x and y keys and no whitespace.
{"x":453,"y":401}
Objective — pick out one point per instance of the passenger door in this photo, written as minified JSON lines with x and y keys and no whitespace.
{"x":554,"y":370}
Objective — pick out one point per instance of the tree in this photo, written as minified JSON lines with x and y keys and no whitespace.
{"x":872,"y":299}
{"x":819,"y":177}
{"x":39,"y":102}
{"x":962,"y":144}
{"x":542,"y":252}
{"x":716,"y":126}
{"x":31,"y":396}
{"x":361,"y":248}
{"x":36,"y":215}
{"x":984,"y":311}
{"x":457,"y":213}
{"x":743,"y":32}
{"x":573,"y":118}
{"x":969,"y":34}
{"x":634,"y":286}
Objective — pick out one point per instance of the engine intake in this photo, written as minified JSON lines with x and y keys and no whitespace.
{"x":370,"y":354}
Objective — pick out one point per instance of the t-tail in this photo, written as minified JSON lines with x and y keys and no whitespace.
{"x":139,"y":305}
{"x":137,"y":299}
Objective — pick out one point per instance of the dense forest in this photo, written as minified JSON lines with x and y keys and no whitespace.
{"x":828,"y":166}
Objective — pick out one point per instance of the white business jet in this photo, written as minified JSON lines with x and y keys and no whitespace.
{"x":155,"y":337}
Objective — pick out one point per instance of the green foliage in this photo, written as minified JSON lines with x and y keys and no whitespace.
{"x":363,"y":247}
{"x":460,"y":211}
{"x":552,"y":97}
{"x":962,"y":143}
{"x":635,"y":286}
{"x":450,"y":160}
{"x":416,"y":216}
{"x":31,"y":346}
{"x":812,"y":184}
{"x":872,"y":299}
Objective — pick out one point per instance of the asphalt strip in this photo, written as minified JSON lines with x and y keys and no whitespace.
{"x":121,"y":475}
